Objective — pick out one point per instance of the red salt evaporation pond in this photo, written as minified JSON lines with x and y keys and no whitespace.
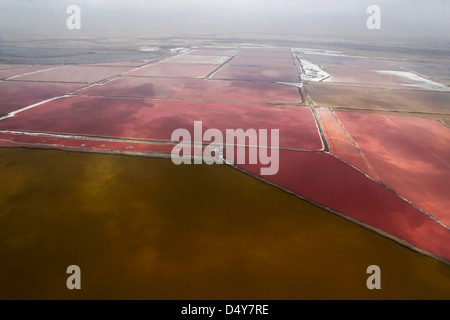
{"x":340,"y":142}
{"x":334,"y":184}
{"x":253,"y":73}
{"x":262,"y":62}
{"x":16,"y":95}
{"x":411,"y":155}
{"x":83,"y":74}
{"x":4,"y":74}
{"x":213,"y":52}
{"x":175,"y":70}
{"x":157,"y":119}
{"x":196,"y":89}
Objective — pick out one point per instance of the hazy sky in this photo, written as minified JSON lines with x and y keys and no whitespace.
{"x":412,"y":18}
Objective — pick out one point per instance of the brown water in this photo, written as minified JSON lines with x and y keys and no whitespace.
{"x":147,"y":229}
{"x":418,"y":101}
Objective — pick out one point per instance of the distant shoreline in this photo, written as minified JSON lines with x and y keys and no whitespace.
{"x":104,"y":50}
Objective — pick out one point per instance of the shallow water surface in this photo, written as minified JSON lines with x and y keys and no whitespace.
{"x":146,"y":229}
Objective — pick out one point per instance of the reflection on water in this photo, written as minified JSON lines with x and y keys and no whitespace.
{"x":145,"y":228}
{"x":415,"y":101}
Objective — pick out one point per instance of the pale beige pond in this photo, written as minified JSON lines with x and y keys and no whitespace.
{"x":146,"y":229}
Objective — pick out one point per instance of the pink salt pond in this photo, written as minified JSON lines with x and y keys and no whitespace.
{"x":84,"y":74}
{"x":387,"y":173}
{"x":196,"y":89}
{"x":174,"y":70}
{"x":18,"y":95}
{"x":157,"y":119}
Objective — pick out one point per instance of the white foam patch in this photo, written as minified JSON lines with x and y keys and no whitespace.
{"x":422,"y":82}
{"x":179,"y":50}
{"x":197,"y":59}
{"x":313,"y":72}
{"x":42,"y":134}
{"x":149,"y":49}
{"x":319,"y":52}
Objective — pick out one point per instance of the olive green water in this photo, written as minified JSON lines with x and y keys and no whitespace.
{"x":147,"y":229}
